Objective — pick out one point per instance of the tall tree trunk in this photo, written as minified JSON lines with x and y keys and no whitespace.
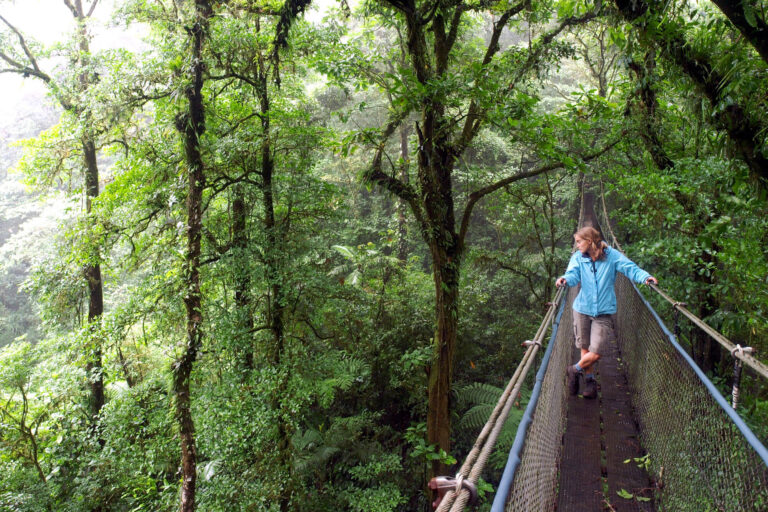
{"x":242,"y":281}
{"x":191,"y":125}
{"x":272,"y":260}
{"x":446,"y":277}
{"x":435,"y":169}
{"x":95,"y":291}
{"x":92,"y":271}
{"x":275,"y":276}
{"x":402,"y":227}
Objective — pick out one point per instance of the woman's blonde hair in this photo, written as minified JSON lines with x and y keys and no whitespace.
{"x":596,"y":245}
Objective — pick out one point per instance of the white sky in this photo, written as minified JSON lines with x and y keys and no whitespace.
{"x":49,"y":21}
{"x":43,"y":19}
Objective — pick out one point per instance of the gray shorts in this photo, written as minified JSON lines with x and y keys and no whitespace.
{"x":593,"y":332}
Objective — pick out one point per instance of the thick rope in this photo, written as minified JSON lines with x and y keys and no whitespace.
{"x":743,"y":355}
{"x":474,"y":464}
{"x":580,"y":223}
{"x":606,"y":221}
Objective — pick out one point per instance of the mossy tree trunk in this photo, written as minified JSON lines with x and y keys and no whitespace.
{"x":191,"y":125}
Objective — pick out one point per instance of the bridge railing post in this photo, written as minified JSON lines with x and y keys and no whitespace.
{"x":737,"y":368}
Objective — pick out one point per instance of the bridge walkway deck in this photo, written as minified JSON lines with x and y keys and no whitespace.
{"x":600,"y":436}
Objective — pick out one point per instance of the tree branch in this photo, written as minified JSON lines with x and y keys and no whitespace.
{"x":538,"y":48}
{"x":472,"y":124}
{"x":742,"y":126}
{"x":35,"y":70}
{"x":93,"y":7}
{"x":453,"y":31}
{"x":71,"y":8}
{"x":475,"y":196}
{"x":375,"y":174}
{"x":757,"y":34}
{"x":474,"y":115}
{"x":525,"y":275}
{"x":315,"y":331}
{"x":404,"y":6}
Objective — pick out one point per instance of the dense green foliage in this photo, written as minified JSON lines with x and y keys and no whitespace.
{"x":322,"y":267}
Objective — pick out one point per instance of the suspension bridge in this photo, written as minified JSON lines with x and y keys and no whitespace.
{"x":659,"y":436}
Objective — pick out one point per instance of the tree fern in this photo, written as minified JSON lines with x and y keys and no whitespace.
{"x":477,"y":393}
{"x":479,"y":400}
{"x":360,"y":259}
{"x":310,"y":450}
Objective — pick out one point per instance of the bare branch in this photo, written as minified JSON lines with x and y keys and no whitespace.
{"x":71,"y":8}
{"x":93,"y":6}
{"x":527,"y":275}
{"x":18,"y":68}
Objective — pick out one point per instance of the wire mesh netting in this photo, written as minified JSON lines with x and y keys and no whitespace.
{"x":700,"y":458}
{"x":535,"y":483}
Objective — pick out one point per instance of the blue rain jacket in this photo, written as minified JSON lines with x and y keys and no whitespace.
{"x":597,"y":295}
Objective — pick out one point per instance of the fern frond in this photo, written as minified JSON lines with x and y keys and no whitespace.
{"x":476,"y":417}
{"x":477,"y":393}
{"x":344,"y":268}
{"x":307,"y":440}
{"x":344,"y":251}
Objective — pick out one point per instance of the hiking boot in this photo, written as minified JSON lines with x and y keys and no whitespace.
{"x":590,"y":388}
{"x":573,"y":380}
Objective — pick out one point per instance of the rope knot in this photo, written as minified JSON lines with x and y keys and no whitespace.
{"x":445,"y":485}
{"x":528,"y":343}
{"x":459,"y":481}
{"x":738,"y":349}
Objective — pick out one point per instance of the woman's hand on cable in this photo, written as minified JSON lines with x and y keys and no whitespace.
{"x":651,"y":280}
{"x":560,"y":282}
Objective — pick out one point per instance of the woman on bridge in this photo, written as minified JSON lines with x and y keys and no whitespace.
{"x":594,"y":265}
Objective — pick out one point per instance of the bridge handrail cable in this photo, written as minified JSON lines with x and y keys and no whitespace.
{"x":456,"y":499}
{"x":735,"y":350}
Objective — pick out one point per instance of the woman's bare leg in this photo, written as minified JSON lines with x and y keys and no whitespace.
{"x":587,"y":359}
